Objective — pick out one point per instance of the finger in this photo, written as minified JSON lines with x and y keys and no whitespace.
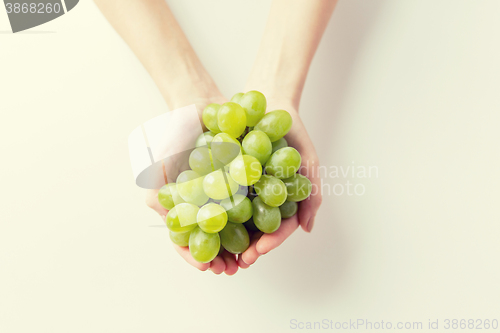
{"x":231,"y":265}
{"x":251,"y":255}
{"x":310,"y":225}
{"x":184,"y":252}
{"x":241,"y":263}
{"x":153,"y":203}
{"x":217,"y":265}
{"x":309,"y":207}
{"x":269,"y":242}
{"x":307,"y":211}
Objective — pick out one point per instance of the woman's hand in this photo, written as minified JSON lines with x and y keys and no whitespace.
{"x":225,"y":262}
{"x":299,"y":139}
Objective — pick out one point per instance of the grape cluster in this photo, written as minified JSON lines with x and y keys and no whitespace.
{"x":243,"y":179}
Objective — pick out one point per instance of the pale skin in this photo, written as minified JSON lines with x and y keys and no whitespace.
{"x":290,"y":40}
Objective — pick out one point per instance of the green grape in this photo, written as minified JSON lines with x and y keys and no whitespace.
{"x":254,"y":103}
{"x":190,"y":187}
{"x":180,"y":238}
{"x":257,"y":144}
{"x":182,"y":218}
{"x":246,"y":170}
{"x":298,"y":187}
{"x":281,"y":143}
{"x":211,"y":218}
{"x":219,"y":185}
{"x":168,"y":196}
{"x":283,"y":163}
{"x":271,"y":190}
{"x":266,"y":218}
{"x":209,"y":117}
{"x":203,"y":246}
{"x":234,"y":237}
{"x":250,"y":225}
{"x":224,"y":150}
{"x":275,"y":124}
{"x":238,"y":207}
{"x":232,"y":119}
{"x":200,"y":160}
{"x":205,"y":139}
{"x":288,"y":209}
{"x":237,"y":97}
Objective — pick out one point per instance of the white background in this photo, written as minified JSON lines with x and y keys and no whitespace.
{"x":411,"y":87}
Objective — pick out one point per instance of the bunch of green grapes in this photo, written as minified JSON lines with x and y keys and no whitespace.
{"x":243,"y":179}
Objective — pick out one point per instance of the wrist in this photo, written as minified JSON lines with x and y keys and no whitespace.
{"x":283,"y":87}
{"x":278,"y":96}
{"x":191,"y":90}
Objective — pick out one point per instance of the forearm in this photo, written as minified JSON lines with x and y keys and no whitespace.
{"x":154,"y":35}
{"x":290,"y":40}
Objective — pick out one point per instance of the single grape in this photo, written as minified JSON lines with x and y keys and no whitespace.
{"x":266,"y":218}
{"x":257,"y":144}
{"x":180,"y":238}
{"x":209,"y":117}
{"x":168,"y":196}
{"x":232,"y":119}
{"x":237,"y":97}
{"x":234,"y":237}
{"x":200,"y":160}
{"x":182,"y":218}
{"x":205,"y":139}
{"x":246,"y":170}
{"x":238,"y":207}
{"x":224,"y":150}
{"x":275,"y":124}
{"x":283,"y":163}
{"x":254,"y":103}
{"x":203,"y":246}
{"x":190,"y":187}
{"x":250,"y":225}
{"x":288,"y":209}
{"x":298,"y":187}
{"x":211,"y":218}
{"x":281,"y":143}
{"x":219,"y":185}
{"x":271,"y":190}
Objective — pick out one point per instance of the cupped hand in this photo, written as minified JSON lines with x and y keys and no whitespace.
{"x":224,"y":262}
{"x":299,"y":139}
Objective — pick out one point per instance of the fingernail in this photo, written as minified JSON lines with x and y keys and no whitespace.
{"x":310,"y":224}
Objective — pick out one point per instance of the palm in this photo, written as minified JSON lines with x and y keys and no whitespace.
{"x":299,"y":139}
